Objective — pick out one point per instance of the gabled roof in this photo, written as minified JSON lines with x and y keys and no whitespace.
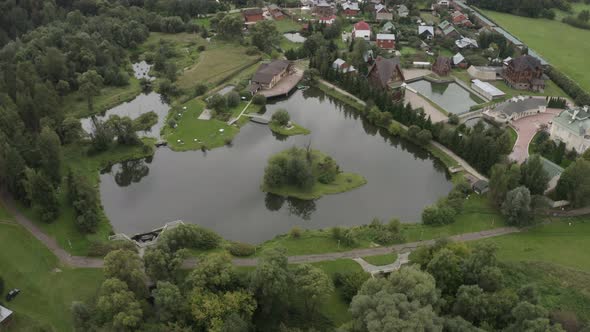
{"x":381,"y":9}
{"x":385,"y":68}
{"x":4,"y":313}
{"x":444,"y":24}
{"x":388,"y":26}
{"x":362,"y":25}
{"x":350,"y":6}
{"x":252,"y":11}
{"x":267,"y":71}
{"x":442,"y":61}
{"x":456,"y":14}
{"x":466,"y":42}
{"x":525,"y":62}
{"x":385,"y":36}
{"x":425,"y":28}
{"x":458,"y":58}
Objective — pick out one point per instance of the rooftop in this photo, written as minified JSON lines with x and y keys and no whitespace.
{"x":362,"y":25}
{"x":520,"y":104}
{"x":385,"y":36}
{"x":267,"y":71}
{"x":576,"y":119}
{"x":488,"y":88}
{"x":4,"y":313}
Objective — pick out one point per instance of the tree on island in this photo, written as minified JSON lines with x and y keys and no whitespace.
{"x":281,"y":117}
{"x":291,"y":168}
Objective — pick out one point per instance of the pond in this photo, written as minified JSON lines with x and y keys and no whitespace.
{"x":294,"y":37}
{"x":144,"y":103}
{"x":450,"y":96}
{"x":220,"y":189}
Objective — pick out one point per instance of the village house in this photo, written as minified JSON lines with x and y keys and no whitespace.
{"x":386,"y":41}
{"x":324,"y":9}
{"x":465,"y":42}
{"x":343,"y":66}
{"x":524,"y":73}
{"x":276,"y":12}
{"x":443,"y":3}
{"x":350,"y":9}
{"x":361,"y":30}
{"x":485,"y":73}
{"x":372,"y":4}
{"x":426,"y":32}
{"x":459,"y":61}
{"x":403,"y":11}
{"x":442,"y":66}
{"x":487,"y":90}
{"x":5,"y":317}
{"x":446,"y":29}
{"x":328,"y":20}
{"x":515,"y":108}
{"x":251,"y":16}
{"x":385,"y":73}
{"x":461,"y":19}
{"x":382,"y":14}
{"x":269,"y":74}
{"x":388,"y":27}
{"x":572,"y":127}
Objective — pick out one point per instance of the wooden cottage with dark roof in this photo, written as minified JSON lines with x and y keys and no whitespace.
{"x":269,"y":74}
{"x":442,"y":66}
{"x":524,"y":73}
{"x":253,"y":15}
{"x":385,"y":73}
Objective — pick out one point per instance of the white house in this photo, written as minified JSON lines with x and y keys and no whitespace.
{"x":572,"y":126}
{"x":362,"y":30}
{"x":465,"y":42}
{"x":343,"y":66}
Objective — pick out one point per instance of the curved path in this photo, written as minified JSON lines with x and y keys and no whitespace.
{"x":526,"y":128}
{"x":88,"y":262}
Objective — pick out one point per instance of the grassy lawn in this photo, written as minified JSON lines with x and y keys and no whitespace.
{"x":381,"y":259}
{"x":294,"y":130}
{"x":77,"y":104}
{"x":185,"y":46}
{"x":287,"y":25}
{"x":195,"y":133}
{"x":557,"y":42}
{"x":343,"y":182}
{"x":513,"y":135}
{"x":286,"y":44}
{"x":217,"y":63}
{"x":47,"y":294}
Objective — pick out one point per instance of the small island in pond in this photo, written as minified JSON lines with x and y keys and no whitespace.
{"x":281,"y":124}
{"x":307,"y":174}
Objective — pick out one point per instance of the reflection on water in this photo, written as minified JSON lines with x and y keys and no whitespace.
{"x":220,"y":189}
{"x":450,"y":96}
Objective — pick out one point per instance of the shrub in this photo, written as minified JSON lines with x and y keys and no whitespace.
{"x":101,"y":249}
{"x":233,"y":99}
{"x":253,"y":50}
{"x":259,"y":100}
{"x":336,"y":232}
{"x":281,"y":117}
{"x":201,"y":48}
{"x":454,"y":119}
{"x":200,"y":89}
{"x":240,"y":249}
{"x":439,"y":214}
{"x":349,"y":283}
{"x":395,"y":129}
{"x":190,"y":236}
{"x":295,"y":232}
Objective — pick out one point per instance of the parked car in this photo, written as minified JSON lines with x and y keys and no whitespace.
{"x":12,"y":294}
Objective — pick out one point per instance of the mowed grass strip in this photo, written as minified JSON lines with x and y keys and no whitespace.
{"x":562,"y":45}
{"x":46,"y":293}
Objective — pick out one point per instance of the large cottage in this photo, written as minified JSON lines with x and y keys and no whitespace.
{"x":572,"y":127}
{"x":524,"y":73}
{"x":385,"y":73}
{"x":253,"y":15}
{"x":442,"y":66}
{"x":269,"y":74}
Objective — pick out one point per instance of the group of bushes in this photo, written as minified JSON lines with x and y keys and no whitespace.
{"x":189,"y":236}
{"x":222,"y":104}
{"x":376,"y":231}
{"x":447,"y":208}
{"x":580,"y":96}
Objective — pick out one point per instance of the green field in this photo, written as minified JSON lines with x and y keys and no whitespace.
{"x":295,"y":130}
{"x":47,"y":289}
{"x":562,"y":45}
{"x":287,"y":25}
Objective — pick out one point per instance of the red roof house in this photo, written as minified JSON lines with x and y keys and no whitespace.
{"x":252,"y":15}
{"x":361,"y":30}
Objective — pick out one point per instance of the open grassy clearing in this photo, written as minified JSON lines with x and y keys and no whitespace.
{"x":287,"y":25}
{"x":46,"y":297}
{"x":513,"y":135}
{"x":560,"y":44}
{"x":295,"y":130}
{"x":380,"y":260}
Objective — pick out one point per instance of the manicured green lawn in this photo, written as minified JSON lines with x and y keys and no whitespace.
{"x":287,"y":25}
{"x":381,"y":259}
{"x":343,"y":182}
{"x":295,"y":130}
{"x":513,"y":135}
{"x":556,"y":243}
{"x":562,"y":45}
{"x":46,"y":293}
{"x":194,"y":133}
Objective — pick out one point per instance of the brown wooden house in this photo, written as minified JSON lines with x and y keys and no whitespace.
{"x":385,"y":73}
{"x":524,"y":73}
{"x":252,"y":15}
{"x":442,"y":66}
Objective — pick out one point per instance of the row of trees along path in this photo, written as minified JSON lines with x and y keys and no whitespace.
{"x":88,"y":262}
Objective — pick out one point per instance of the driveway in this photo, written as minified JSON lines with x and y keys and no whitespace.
{"x":526,"y":128}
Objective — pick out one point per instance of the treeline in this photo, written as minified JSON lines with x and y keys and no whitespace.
{"x":529,"y":8}
{"x":580,"y":96}
{"x":581,"y":21}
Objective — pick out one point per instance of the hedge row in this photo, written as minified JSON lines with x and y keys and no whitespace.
{"x":580,"y":96}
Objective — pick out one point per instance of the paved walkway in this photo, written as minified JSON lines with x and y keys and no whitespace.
{"x":526,"y":128}
{"x":402,"y":259}
{"x":232,"y":121}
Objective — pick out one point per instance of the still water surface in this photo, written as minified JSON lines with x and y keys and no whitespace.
{"x":220,"y":189}
{"x":450,"y":96}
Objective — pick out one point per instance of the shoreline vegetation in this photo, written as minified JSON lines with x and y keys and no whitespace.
{"x":294,"y":130}
{"x":307,"y":174}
